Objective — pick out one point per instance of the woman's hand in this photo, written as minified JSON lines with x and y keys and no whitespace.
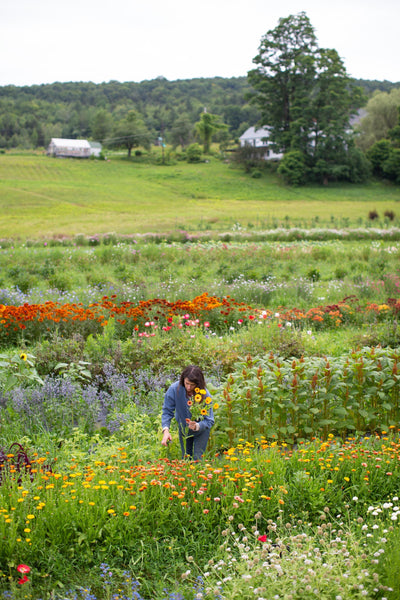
{"x":166,"y":437}
{"x":193,"y":425}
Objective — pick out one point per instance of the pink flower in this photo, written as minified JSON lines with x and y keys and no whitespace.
{"x":206,"y":324}
{"x":217,"y":499}
{"x":262,"y":538}
{"x":206,"y":511}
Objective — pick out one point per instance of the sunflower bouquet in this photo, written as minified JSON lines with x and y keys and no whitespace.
{"x":198,"y":405}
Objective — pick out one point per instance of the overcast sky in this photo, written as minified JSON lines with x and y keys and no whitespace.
{"x":42,"y":41}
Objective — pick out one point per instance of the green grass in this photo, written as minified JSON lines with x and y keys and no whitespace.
{"x":41,"y":196}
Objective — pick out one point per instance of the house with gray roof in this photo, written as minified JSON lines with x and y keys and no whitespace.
{"x":258,"y":138}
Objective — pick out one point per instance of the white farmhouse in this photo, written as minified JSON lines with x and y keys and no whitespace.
{"x":258,"y":138}
{"x":62,"y":147}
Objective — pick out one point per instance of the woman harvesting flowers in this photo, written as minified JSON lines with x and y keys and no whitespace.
{"x":189,"y":401}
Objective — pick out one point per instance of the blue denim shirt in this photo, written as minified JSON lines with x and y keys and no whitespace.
{"x":175,"y":405}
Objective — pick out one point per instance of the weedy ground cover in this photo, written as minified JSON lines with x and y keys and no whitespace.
{"x":65,"y":197}
{"x":291,"y":523}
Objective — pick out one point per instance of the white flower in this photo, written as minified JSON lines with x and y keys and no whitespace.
{"x":355,"y":499}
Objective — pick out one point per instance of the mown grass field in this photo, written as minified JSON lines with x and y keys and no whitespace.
{"x":42,"y":196}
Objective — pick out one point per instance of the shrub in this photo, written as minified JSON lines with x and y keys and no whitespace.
{"x":193,"y":153}
{"x":256,"y":174}
{"x":391,"y":166}
{"x":378,"y":154}
{"x":292,"y":168}
{"x":389,"y":214}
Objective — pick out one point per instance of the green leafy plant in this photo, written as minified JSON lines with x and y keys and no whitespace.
{"x":18,"y":369}
{"x":77,"y":371}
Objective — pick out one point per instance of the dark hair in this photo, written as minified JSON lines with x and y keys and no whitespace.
{"x":194,"y":374}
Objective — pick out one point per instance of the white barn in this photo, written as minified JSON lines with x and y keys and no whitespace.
{"x":62,"y":147}
{"x":258,"y":138}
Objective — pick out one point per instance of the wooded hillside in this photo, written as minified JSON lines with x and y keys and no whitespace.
{"x":31,"y":115}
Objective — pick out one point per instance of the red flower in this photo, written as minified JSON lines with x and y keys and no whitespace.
{"x":23,"y":580}
{"x":23,"y":569}
{"x":262,"y":538}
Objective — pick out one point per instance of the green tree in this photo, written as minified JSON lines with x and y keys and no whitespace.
{"x":284,"y":78}
{"x":101,"y":125}
{"x":293,"y":168}
{"x":305,"y":97}
{"x":391,"y":166}
{"x":193,"y":153}
{"x":130,"y":132}
{"x":181,"y":131}
{"x":378,"y":154}
{"x":382,"y":115}
{"x":206,"y":127}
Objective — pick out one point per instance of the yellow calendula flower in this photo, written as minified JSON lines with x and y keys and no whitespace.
{"x":208,"y":400}
{"x":197,"y":397}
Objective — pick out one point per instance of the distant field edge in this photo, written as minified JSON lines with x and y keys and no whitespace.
{"x":292,"y":234}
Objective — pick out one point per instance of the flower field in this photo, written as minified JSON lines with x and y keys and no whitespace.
{"x":298,"y":494}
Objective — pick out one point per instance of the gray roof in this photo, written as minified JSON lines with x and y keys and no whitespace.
{"x":252,"y":133}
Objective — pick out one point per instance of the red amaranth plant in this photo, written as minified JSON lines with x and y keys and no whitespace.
{"x":16,"y":462}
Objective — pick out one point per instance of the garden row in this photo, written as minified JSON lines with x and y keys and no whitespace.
{"x":33,"y":322}
{"x":283,"y":400}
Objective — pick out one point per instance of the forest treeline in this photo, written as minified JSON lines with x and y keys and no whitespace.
{"x":31,"y":115}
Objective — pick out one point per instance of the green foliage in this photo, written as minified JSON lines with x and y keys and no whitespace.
{"x":305,"y":98}
{"x":18,"y":369}
{"x":391,"y":166}
{"x":75,"y":371}
{"x":130,"y":132}
{"x":251,"y":157}
{"x":206,"y":127}
{"x":293,"y":168}
{"x":288,"y":399}
{"x":381,"y":116}
{"x":193,"y":153}
{"x":378,"y":154}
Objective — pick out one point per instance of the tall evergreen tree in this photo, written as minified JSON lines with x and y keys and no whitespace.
{"x":304,"y":95}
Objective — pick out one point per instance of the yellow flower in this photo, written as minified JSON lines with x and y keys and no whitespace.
{"x":197,"y":398}
{"x":208,"y":400}
{"x":23,"y":356}
{"x":216,"y":405}
{"x":203,"y":411}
